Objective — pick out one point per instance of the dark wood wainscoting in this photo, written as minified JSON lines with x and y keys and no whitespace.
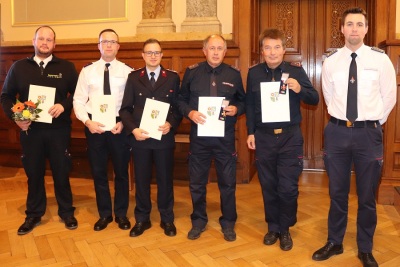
{"x":177,"y":56}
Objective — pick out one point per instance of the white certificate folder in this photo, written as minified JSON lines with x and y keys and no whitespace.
{"x":154,"y":115}
{"x":103,"y":111}
{"x":45,"y":96}
{"x":210,"y":107}
{"x":274,"y":106}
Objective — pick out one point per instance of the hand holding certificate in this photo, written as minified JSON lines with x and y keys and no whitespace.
{"x":211,"y":106}
{"x":274,"y":106}
{"x":154,"y":115}
{"x":45,"y":97}
{"x":103,"y":111}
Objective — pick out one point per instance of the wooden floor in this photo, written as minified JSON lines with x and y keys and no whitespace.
{"x":50,"y":244}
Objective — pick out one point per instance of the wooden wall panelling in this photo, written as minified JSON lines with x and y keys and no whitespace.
{"x":391,"y":137}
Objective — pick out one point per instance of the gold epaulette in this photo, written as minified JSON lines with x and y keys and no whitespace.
{"x":377,"y":49}
{"x":331,"y":53}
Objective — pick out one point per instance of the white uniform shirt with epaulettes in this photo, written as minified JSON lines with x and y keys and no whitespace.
{"x":376,"y":82}
{"x":90,"y":84}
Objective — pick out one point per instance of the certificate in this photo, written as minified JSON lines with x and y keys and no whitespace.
{"x":103,"y":111}
{"x":154,"y":115}
{"x":45,"y":97}
{"x":274,"y":106}
{"x":210,"y":107}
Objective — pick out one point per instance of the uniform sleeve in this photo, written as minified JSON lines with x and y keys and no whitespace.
{"x":175,"y":117}
{"x":307,"y":94}
{"x":81,"y":97}
{"x":327,"y":84}
{"x":184,"y":95}
{"x":250,"y":106}
{"x":388,"y":87}
{"x":9,"y":92}
{"x":126,"y":111}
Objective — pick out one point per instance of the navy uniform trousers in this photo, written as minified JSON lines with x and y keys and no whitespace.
{"x":279,"y":160}
{"x":164,"y":164}
{"x":37,"y":145}
{"x":364,"y":148}
{"x":202,"y":151}
{"x":100,"y":146}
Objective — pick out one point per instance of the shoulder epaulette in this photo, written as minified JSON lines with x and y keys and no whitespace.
{"x":171,"y":70}
{"x":377,"y":49}
{"x":193,"y":66}
{"x":296,"y":64}
{"x":136,"y":70}
{"x":331,"y":53}
{"x":235,"y":68}
{"x":88,"y":64}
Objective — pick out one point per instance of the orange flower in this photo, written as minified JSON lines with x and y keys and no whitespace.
{"x":18,"y":107}
{"x":30,"y":104}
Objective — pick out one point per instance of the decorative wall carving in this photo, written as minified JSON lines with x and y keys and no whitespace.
{"x":285,"y":21}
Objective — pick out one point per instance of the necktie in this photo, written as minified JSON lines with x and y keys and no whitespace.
{"x":213,"y":84}
{"x":351,"y":112}
{"x":41,"y":67}
{"x":106,"y":86}
{"x":152,"y":80}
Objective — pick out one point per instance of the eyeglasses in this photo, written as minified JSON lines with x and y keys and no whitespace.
{"x":151,"y":53}
{"x":108,"y":42}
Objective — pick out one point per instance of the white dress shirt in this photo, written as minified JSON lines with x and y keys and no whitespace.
{"x":90,"y":84}
{"x":377,"y":87}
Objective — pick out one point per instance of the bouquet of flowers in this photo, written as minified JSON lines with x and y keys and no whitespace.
{"x":25,"y":111}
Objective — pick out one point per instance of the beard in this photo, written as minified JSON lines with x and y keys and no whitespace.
{"x":43,"y":52}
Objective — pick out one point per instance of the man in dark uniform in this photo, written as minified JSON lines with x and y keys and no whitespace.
{"x":278,"y":145}
{"x":359,"y":86}
{"x":102,"y":143}
{"x":198,"y":82}
{"x":153,"y":82}
{"x":44,"y":140}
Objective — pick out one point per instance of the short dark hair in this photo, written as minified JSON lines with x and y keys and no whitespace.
{"x":46,"y":26}
{"x":151,"y":41}
{"x":355,"y":10}
{"x":108,"y":30}
{"x":205,"y":42}
{"x":274,"y":34}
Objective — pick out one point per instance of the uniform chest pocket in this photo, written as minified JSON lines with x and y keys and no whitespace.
{"x":368,"y":81}
{"x":340,"y":83}
{"x":118,"y":82}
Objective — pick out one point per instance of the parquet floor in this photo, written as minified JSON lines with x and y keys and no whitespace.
{"x":50,"y":244}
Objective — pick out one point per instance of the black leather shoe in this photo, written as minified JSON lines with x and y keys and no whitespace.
{"x":70,"y":222}
{"x":28,"y":225}
{"x":286,"y":241}
{"x":123,"y":223}
{"x":139,"y":228}
{"x":270,"y":238}
{"x":195,"y":232}
{"x":367,"y":259}
{"x":327,"y":251}
{"x":102,"y":223}
{"x":229,"y":234}
{"x":169,"y":228}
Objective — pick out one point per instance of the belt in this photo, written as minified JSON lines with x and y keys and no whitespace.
{"x":356,"y":124}
{"x":288,"y":129}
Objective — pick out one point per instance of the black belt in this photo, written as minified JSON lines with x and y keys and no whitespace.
{"x":356,"y":124}
{"x":288,"y":129}
{"x":117,"y":119}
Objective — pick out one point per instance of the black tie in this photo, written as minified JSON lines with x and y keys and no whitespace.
{"x":213,"y":84}
{"x":106,"y":86}
{"x":152,"y":80}
{"x":41,"y":67}
{"x":352,"y":113}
